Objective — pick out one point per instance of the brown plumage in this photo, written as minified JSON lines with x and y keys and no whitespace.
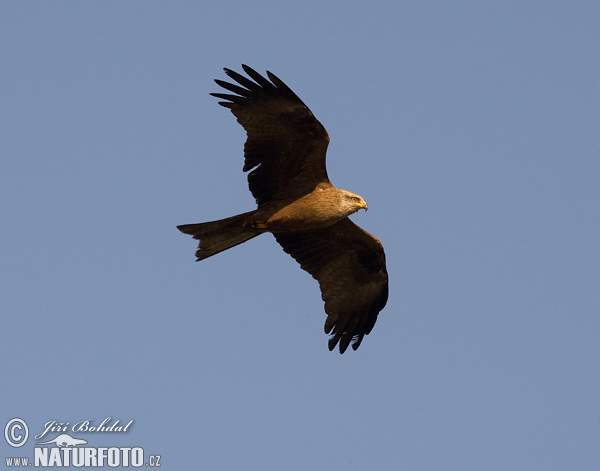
{"x":285,"y":154}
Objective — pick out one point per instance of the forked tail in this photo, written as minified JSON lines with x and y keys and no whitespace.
{"x":216,"y":236}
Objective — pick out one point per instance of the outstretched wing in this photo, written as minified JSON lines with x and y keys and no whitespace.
{"x":286,"y":145}
{"x":349,"y":264}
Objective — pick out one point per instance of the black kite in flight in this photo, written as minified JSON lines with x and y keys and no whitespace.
{"x":308,"y":216}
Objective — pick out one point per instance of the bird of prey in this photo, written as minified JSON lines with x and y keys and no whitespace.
{"x":285,"y":154}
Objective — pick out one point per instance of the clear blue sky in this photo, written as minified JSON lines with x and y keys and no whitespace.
{"x":472,"y":129}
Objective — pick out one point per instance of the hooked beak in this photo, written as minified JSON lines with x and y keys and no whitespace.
{"x":362,"y":205}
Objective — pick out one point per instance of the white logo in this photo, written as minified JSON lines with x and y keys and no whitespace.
{"x":64,"y":440}
{"x":66,"y":451}
{"x":16,"y":439}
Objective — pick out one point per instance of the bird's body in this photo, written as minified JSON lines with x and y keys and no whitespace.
{"x":329,"y":205}
{"x":308,"y":216}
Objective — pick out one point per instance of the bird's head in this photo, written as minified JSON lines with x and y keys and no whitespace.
{"x":353,"y":202}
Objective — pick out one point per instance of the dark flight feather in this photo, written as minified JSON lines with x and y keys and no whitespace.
{"x":286,"y":144}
